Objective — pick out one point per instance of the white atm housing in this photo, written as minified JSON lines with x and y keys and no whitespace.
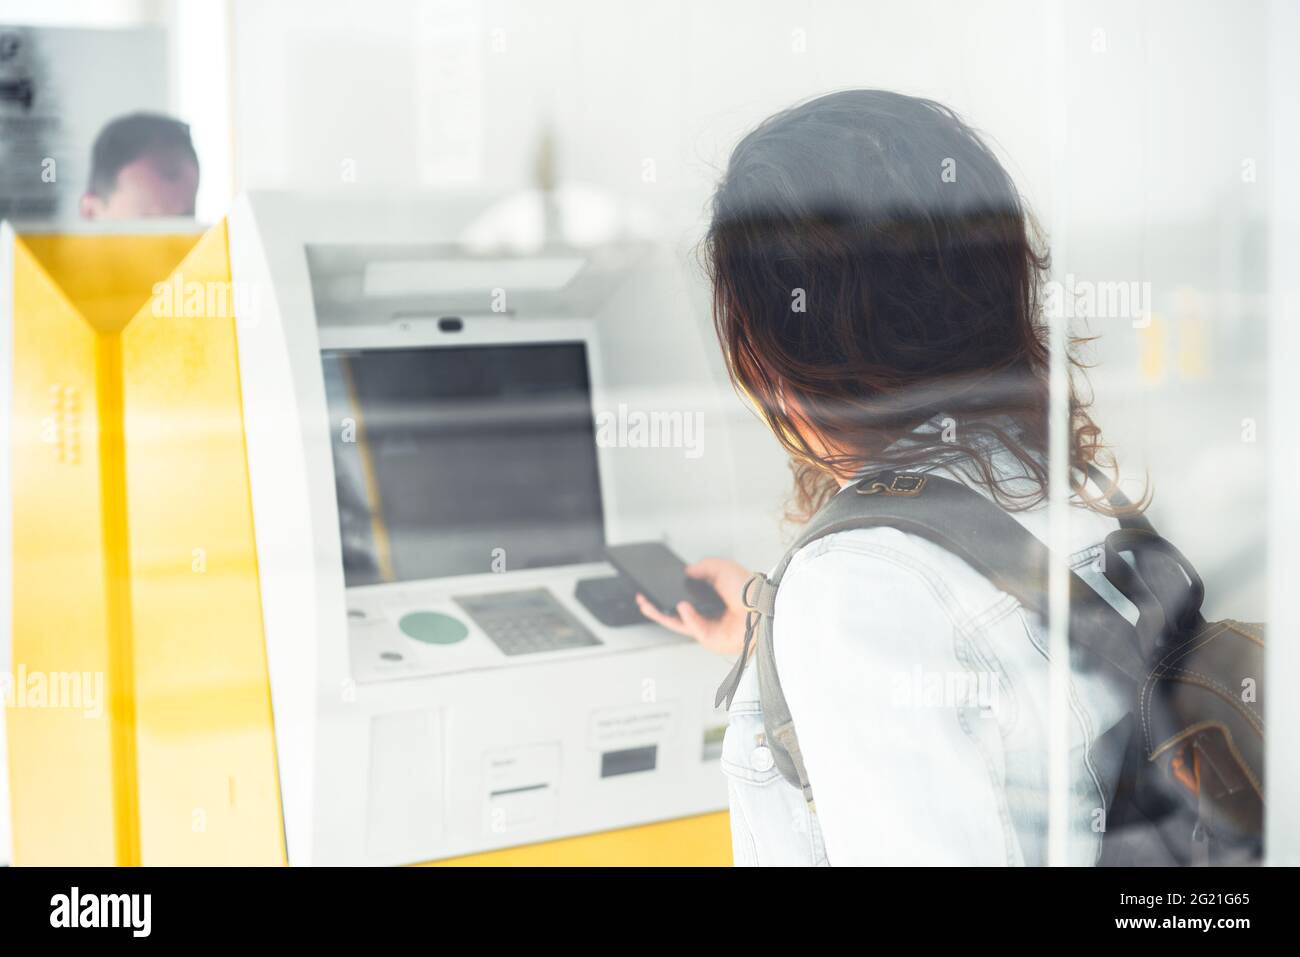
{"x":393,"y":750}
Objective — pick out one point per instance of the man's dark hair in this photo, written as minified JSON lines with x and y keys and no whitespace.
{"x":124,"y":140}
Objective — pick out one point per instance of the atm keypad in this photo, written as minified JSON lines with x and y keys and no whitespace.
{"x":526,"y":622}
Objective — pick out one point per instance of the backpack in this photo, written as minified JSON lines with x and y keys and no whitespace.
{"x":1191,"y":788}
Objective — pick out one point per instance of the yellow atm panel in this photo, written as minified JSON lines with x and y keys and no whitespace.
{"x":134,"y":563}
{"x":205,"y":761}
{"x":703,"y":841}
{"x":64,"y":799}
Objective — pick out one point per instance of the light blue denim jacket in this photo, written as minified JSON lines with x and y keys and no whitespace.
{"x":920,"y":695}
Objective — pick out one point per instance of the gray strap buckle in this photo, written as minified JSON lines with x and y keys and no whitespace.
{"x":763,"y":599}
{"x":896,"y":485}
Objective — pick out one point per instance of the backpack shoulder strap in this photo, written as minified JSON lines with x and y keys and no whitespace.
{"x":965,"y":523}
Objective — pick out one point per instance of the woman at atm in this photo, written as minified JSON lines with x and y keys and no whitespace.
{"x":877,"y":284}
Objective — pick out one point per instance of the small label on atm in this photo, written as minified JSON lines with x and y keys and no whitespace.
{"x":617,"y":729}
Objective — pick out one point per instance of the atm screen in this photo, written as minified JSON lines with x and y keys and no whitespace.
{"x":454,"y":461}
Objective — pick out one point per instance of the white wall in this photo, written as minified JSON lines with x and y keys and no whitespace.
{"x":674,"y":82}
{"x":200,"y":95}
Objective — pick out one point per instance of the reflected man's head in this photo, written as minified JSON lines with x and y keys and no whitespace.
{"x":142,"y":165}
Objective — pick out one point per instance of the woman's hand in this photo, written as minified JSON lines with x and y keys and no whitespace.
{"x":723,"y":636}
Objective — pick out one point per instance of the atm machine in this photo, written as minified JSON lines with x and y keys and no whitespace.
{"x":359,"y":519}
{"x":453,"y":665}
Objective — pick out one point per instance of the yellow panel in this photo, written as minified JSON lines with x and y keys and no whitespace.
{"x":1151,"y":349}
{"x":134,"y":561}
{"x":1193,"y":357}
{"x":107,"y":278}
{"x":60,"y":758}
{"x":208,"y":785}
{"x":703,"y":841}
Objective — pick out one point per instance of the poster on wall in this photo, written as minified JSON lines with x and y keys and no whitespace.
{"x":58,"y":87}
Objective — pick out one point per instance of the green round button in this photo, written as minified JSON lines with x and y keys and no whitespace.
{"x":433,"y":628}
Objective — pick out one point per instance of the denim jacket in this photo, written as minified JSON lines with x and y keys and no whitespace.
{"x":920,"y":695}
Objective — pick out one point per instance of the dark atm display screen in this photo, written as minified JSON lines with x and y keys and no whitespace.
{"x":453,"y":461}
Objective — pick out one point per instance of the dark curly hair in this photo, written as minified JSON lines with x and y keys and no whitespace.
{"x":874,"y":267}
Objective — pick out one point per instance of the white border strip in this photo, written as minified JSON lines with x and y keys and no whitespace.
{"x":1281,"y":707}
{"x":1058,"y":539}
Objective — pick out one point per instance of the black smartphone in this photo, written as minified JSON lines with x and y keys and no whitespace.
{"x":660,"y":575}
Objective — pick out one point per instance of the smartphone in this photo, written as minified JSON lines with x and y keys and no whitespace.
{"x":660,"y":575}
